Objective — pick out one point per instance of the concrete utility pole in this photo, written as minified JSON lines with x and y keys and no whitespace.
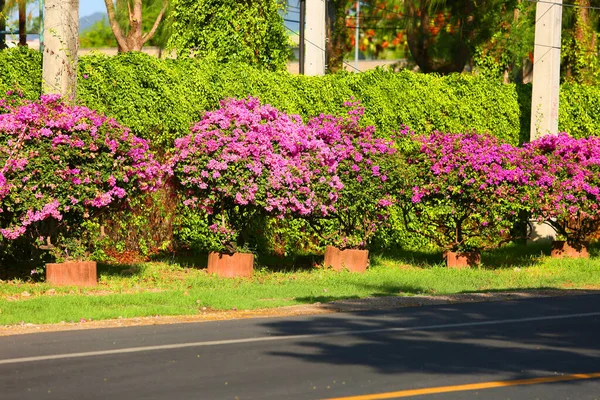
{"x":356,"y":35}
{"x":61,"y":43}
{"x":546,"y":68}
{"x":314,"y":64}
{"x":546,"y":84}
{"x":302,"y":31}
{"x":41,"y":33}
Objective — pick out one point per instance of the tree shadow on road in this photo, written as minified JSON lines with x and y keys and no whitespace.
{"x":437,"y":340}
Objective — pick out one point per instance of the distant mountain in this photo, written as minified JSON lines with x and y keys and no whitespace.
{"x":87,"y":21}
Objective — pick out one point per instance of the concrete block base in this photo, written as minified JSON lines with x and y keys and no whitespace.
{"x":72,"y":273}
{"x":231,"y":265}
{"x":353,"y":260}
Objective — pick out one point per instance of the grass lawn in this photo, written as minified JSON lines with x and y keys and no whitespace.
{"x":182,"y":287}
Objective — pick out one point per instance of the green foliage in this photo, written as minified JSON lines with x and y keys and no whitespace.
{"x":511,"y":44}
{"x":394,"y":235}
{"x":144,"y":225}
{"x":21,"y":69}
{"x":578,"y":114}
{"x":160,"y":99}
{"x":144,"y":93}
{"x":231,"y":31}
{"x":427,"y":102}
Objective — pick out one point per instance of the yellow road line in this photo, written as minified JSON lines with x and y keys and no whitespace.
{"x":472,"y":386}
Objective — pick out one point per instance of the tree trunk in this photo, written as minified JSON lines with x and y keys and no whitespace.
{"x":22,"y":23}
{"x":422,"y":42}
{"x":2,"y":25}
{"x":126,"y":24}
{"x":337,"y":33}
{"x":61,"y":35}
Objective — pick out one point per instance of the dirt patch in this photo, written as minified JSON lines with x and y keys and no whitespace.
{"x":370,"y":303}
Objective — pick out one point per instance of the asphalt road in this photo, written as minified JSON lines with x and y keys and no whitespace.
{"x":324,"y":356}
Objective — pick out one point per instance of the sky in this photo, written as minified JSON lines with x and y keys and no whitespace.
{"x":88,"y":7}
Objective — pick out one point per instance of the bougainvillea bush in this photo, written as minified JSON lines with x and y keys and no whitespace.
{"x":360,"y":165}
{"x":242,"y":162}
{"x":566,"y":182}
{"x":245,"y":161}
{"x":461,"y":191}
{"x":62,"y":165}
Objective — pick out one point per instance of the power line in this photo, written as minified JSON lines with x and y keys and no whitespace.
{"x":320,"y":48}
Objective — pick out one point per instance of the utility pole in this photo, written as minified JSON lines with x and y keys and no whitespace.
{"x":356,"y":36}
{"x":314,"y":64}
{"x":546,"y":68}
{"x":61,"y":43}
{"x":546,"y":85}
{"x":302,"y":30}
{"x":41,"y":33}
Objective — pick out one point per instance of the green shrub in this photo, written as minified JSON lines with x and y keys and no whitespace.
{"x":425,"y":103}
{"x":159,"y":99}
{"x":579,"y":112}
{"x":21,"y":69}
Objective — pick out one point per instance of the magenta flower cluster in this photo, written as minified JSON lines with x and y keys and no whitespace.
{"x":65,"y":163}
{"x":566,"y":184}
{"x":466,"y":191}
{"x":462,"y":191}
{"x":248,"y":156}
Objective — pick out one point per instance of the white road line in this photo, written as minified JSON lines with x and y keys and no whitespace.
{"x":290,"y":337}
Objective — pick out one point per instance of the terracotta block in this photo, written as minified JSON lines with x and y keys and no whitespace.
{"x":561,"y":249}
{"x":72,"y":273}
{"x":231,"y":265}
{"x":462,"y":260}
{"x":353,"y":260}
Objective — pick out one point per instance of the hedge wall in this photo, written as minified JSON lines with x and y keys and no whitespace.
{"x":160,"y":99}
{"x":21,"y":68}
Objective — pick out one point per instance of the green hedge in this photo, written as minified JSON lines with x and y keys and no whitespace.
{"x":160,"y":99}
{"x":579,"y":112}
{"x":20,"y":68}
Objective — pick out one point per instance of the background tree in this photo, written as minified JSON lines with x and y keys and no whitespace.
{"x":24,"y":23}
{"x":337,"y":31}
{"x":443,"y":35}
{"x":2,"y":25}
{"x":249,"y":31}
{"x":99,"y":34}
{"x":509,"y":52}
{"x":129,"y":33}
{"x":580,"y":45}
